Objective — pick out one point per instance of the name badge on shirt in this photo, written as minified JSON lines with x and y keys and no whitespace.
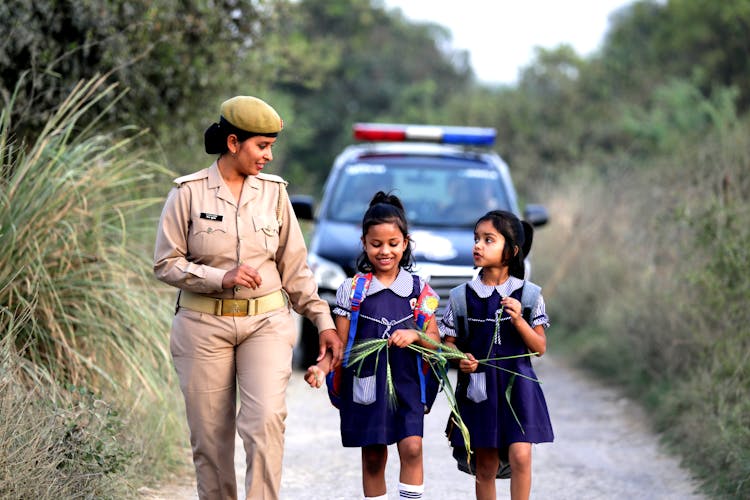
{"x":215,"y":217}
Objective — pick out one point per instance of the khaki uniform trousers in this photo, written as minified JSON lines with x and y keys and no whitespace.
{"x":214,"y":356}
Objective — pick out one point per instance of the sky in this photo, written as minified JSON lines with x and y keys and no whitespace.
{"x":500,"y":35}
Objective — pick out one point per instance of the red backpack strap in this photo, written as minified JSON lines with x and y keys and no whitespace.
{"x":424,"y":312}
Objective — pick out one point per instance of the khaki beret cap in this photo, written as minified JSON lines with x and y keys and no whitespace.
{"x":251,"y":115}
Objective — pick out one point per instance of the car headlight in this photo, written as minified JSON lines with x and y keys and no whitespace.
{"x":328,"y":275}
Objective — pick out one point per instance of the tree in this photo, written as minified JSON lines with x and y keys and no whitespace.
{"x":170,"y":54}
{"x":705,"y":42}
{"x":373,"y":65}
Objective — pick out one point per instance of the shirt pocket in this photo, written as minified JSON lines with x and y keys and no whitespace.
{"x":267,"y":231}
{"x":206,"y":237}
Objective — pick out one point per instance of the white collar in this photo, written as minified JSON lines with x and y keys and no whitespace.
{"x":506,"y":288}
{"x":401,"y":286}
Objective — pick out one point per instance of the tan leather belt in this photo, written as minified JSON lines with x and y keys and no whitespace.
{"x":232,"y":307}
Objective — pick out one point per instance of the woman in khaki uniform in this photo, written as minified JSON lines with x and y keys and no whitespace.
{"x":229,"y":240}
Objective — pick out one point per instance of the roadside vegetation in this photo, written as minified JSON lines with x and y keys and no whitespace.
{"x":84,"y":365}
{"x":646,"y":277}
{"x":641,"y":153}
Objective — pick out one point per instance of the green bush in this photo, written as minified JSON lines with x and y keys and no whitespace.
{"x":649,"y":290}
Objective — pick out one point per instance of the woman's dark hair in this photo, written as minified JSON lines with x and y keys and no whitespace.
{"x":517,"y":233}
{"x":385,"y":208}
{"x":215,"y":136}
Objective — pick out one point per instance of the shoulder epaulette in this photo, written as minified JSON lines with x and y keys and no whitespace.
{"x":201,"y":174}
{"x":282,"y":199}
{"x":272,"y":177}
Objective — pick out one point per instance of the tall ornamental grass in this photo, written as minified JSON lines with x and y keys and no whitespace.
{"x":646,"y":271}
{"x":80,"y":314}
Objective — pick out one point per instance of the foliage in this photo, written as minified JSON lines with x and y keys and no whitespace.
{"x":77,"y":301}
{"x":677,"y":112}
{"x":171,"y":54}
{"x":323,"y":64}
{"x":659,"y":267}
{"x":366,"y":74}
{"x":67,"y":208}
{"x":705,"y":42}
{"x":69,"y":445}
{"x":640,"y":151}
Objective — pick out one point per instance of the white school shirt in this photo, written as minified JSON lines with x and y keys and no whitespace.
{"x":539,"y":316}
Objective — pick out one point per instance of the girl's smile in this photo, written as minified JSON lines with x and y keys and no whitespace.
{"x":384,"y":245}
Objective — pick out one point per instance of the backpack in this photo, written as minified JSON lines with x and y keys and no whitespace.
{"x":529,"y":296}
{"x":428,"y":381}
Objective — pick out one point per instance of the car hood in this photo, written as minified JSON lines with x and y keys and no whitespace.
{"x":340,"y":242}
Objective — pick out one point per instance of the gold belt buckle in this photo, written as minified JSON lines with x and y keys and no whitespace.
{"x":235,"y":307}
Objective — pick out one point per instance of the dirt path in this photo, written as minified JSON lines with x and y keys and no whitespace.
{"x":603,"y":449}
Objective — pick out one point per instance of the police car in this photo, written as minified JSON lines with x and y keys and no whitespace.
{"x":446,"y":177}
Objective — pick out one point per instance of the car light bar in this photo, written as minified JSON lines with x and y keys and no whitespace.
{"x":468,"y":136}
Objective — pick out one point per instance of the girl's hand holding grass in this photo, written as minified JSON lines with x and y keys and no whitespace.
{"x":514,"y":308}
{"x":469,"y":364}
{"x":403,"y":337}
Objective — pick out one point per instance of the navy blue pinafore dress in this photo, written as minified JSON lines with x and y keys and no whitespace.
{"x":367,"y":417}
{"x":482,"y":396}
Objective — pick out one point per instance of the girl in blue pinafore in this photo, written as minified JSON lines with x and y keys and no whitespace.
{"x":504,"y":411}
{"x":368,"y":419}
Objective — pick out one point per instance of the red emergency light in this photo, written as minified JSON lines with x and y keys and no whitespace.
{"x":468,"y":136}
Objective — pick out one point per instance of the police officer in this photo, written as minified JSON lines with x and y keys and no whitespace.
{"x":229,"y":240}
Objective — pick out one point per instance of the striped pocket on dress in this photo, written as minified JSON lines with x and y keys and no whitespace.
{"x":364,"y":390}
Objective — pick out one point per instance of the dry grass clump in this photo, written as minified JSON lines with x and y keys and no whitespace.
{"x":645,"y":274}
{"x":57,"y":444}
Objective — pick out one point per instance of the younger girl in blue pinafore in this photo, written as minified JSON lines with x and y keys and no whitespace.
{"x":503,"y":410}
{"x":368,"y":419}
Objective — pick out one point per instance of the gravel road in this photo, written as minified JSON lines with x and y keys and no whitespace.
{"x":603,"y":449}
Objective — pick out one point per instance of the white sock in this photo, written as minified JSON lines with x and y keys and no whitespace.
{"x":410,"y":490}
{"x":381,"y":497}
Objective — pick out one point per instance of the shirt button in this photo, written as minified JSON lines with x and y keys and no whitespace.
{"x":237,"y":289}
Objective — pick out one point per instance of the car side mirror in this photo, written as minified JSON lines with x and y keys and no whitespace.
{"x":536,"y":215}
{"x":303,"y":206}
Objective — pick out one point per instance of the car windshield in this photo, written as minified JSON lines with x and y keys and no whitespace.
{"x":436,"y":191}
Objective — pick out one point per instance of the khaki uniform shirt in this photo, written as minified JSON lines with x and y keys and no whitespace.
{"x":203,"y":233}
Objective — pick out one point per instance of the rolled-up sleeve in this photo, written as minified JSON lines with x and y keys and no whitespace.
{"x":171,"y":264}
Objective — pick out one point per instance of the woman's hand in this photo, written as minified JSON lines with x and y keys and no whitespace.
{"x":403,"y":337}
{"x":468,"y":365}
{"x":242,"y":275}
{"x":329,"y":340}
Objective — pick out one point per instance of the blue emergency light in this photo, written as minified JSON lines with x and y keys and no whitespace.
{"x":467,"y":136}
